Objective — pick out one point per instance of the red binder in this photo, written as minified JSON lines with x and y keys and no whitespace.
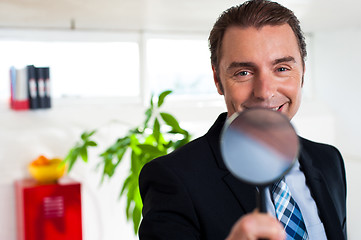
{"x":51,"y":211}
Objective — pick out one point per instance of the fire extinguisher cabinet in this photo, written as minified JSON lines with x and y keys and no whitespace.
{"x":48,"y":211}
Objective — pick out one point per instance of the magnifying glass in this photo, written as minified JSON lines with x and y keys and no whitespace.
{"x":259,"y":146}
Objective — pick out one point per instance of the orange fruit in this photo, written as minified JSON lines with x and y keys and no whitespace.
{"x":46,"y":170}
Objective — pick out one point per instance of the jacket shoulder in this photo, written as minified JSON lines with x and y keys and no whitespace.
{"x":319,"y":149}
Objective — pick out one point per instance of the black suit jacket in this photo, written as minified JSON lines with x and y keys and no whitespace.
{"x":189,"y":194}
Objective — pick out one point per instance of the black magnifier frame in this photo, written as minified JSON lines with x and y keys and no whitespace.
{"x":259,"y":147}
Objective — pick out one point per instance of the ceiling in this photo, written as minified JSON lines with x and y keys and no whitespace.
{"x":161,"y":15}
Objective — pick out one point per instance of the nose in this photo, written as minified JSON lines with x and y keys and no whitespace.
{"x":264,"y":87}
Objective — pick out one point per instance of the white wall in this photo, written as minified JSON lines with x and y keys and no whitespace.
{"x":337,"y":84}
{"x":337,"y":55}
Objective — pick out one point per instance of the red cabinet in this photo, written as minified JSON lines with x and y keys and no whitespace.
{"x":51,"y":211}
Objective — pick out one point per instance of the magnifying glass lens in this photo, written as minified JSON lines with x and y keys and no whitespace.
{"x":259,"y":146}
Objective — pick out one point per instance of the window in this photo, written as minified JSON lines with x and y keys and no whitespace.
{"x":181,"y":65}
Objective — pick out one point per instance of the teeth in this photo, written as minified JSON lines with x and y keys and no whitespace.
{"x":275,"y":109}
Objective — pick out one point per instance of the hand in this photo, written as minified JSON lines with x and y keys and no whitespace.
{"x":255,"y":226}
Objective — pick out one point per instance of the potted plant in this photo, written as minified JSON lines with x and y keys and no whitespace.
{"x":159,"y":134}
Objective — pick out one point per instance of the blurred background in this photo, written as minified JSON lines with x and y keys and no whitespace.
{"x":107,"y":57}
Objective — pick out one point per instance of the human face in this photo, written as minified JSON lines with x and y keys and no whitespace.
{"x":260,"y":68}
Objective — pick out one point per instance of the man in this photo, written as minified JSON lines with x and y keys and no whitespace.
{"x":257,"y":55}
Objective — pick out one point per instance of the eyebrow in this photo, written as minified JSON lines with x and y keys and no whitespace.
{"x":284,"y":59}
{"x":240,"y":64}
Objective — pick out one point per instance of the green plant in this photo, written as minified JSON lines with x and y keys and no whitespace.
{"x":159,"y":134}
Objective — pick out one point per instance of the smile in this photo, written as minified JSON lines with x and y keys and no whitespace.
{"x":277,"y":109}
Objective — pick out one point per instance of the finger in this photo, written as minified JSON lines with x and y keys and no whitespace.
{"x":257,"y":225}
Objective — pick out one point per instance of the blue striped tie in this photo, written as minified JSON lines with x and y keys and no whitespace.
{"x":288,"y":212}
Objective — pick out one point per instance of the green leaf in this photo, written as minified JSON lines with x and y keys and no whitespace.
{"x":150,"y":140}
{"x":121,"y":143}
{"x":109,"y":165}
{"x":71,"y":158}
{"x":151,"y":101}
{"x":134,"y":144}
{"x":148,"y":115}
{"x":162,"y":97}
{"x":135,"y":131}
{"x":179,"y":131}
{"x":146,"y":148}
{"x":84,"y":153}
{"x":169,"y":144}
{"x":170,"y":121}
{"x":162,"y":141}
{"x":120,"y":154}
{"x":91,"y":144}
{"x":125,"y":185}
{"x":180,"y":143}
{"x":134,"y":164}
{"x":137,"y":199}
{"x":91,"y":133}
{"x":86,"y":135}
{"x":127,"y":208}
{"x":156,"y":129}
{"x":136,"y":219}
{"x":133,"y":184}
{"x":71,"y":163}
{"x":70,"y":153}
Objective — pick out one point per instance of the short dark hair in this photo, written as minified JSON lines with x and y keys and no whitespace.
{"x":253,"y":13}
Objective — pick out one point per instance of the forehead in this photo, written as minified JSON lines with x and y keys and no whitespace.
{"x":267,"y":42}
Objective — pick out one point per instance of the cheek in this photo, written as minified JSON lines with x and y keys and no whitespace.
{"x":292,"y":88}
{"x":297,"y":90}
{"x":235,"y":96}
{"x":238,"y":93}
{"x":294,"y":93}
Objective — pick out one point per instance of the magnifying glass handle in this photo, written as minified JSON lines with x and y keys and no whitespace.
{"x":261,"y":199}
{"x":261,"y":202}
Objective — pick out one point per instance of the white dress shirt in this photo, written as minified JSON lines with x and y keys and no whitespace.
{"x":300,"y":192}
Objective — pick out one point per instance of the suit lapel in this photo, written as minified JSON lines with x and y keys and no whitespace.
{"x":244,"y":193}
{"x":321,"y":194}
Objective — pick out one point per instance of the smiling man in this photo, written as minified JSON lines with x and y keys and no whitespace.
{"x":257,"y":55}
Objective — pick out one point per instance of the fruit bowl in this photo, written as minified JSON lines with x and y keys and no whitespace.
{"x":45,"y":170}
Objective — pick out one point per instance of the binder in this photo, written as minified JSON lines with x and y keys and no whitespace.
{"x":41,"y":87}
{"x":47,"y":87}
{"x":12,"y":83}
{"x":32,"y":87}
{"x":18,"y":88}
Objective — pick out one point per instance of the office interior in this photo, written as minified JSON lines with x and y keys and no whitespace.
{"x":108,"y":57}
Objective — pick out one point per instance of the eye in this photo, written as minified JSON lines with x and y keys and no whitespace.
{"x":242,"y":73}
{"x":282,"y":69}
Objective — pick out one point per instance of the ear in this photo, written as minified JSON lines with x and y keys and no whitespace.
{"x":217,"y":81}
{"x":303,"y":75}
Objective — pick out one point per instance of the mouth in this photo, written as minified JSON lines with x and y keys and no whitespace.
{"x":276,"y":109}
